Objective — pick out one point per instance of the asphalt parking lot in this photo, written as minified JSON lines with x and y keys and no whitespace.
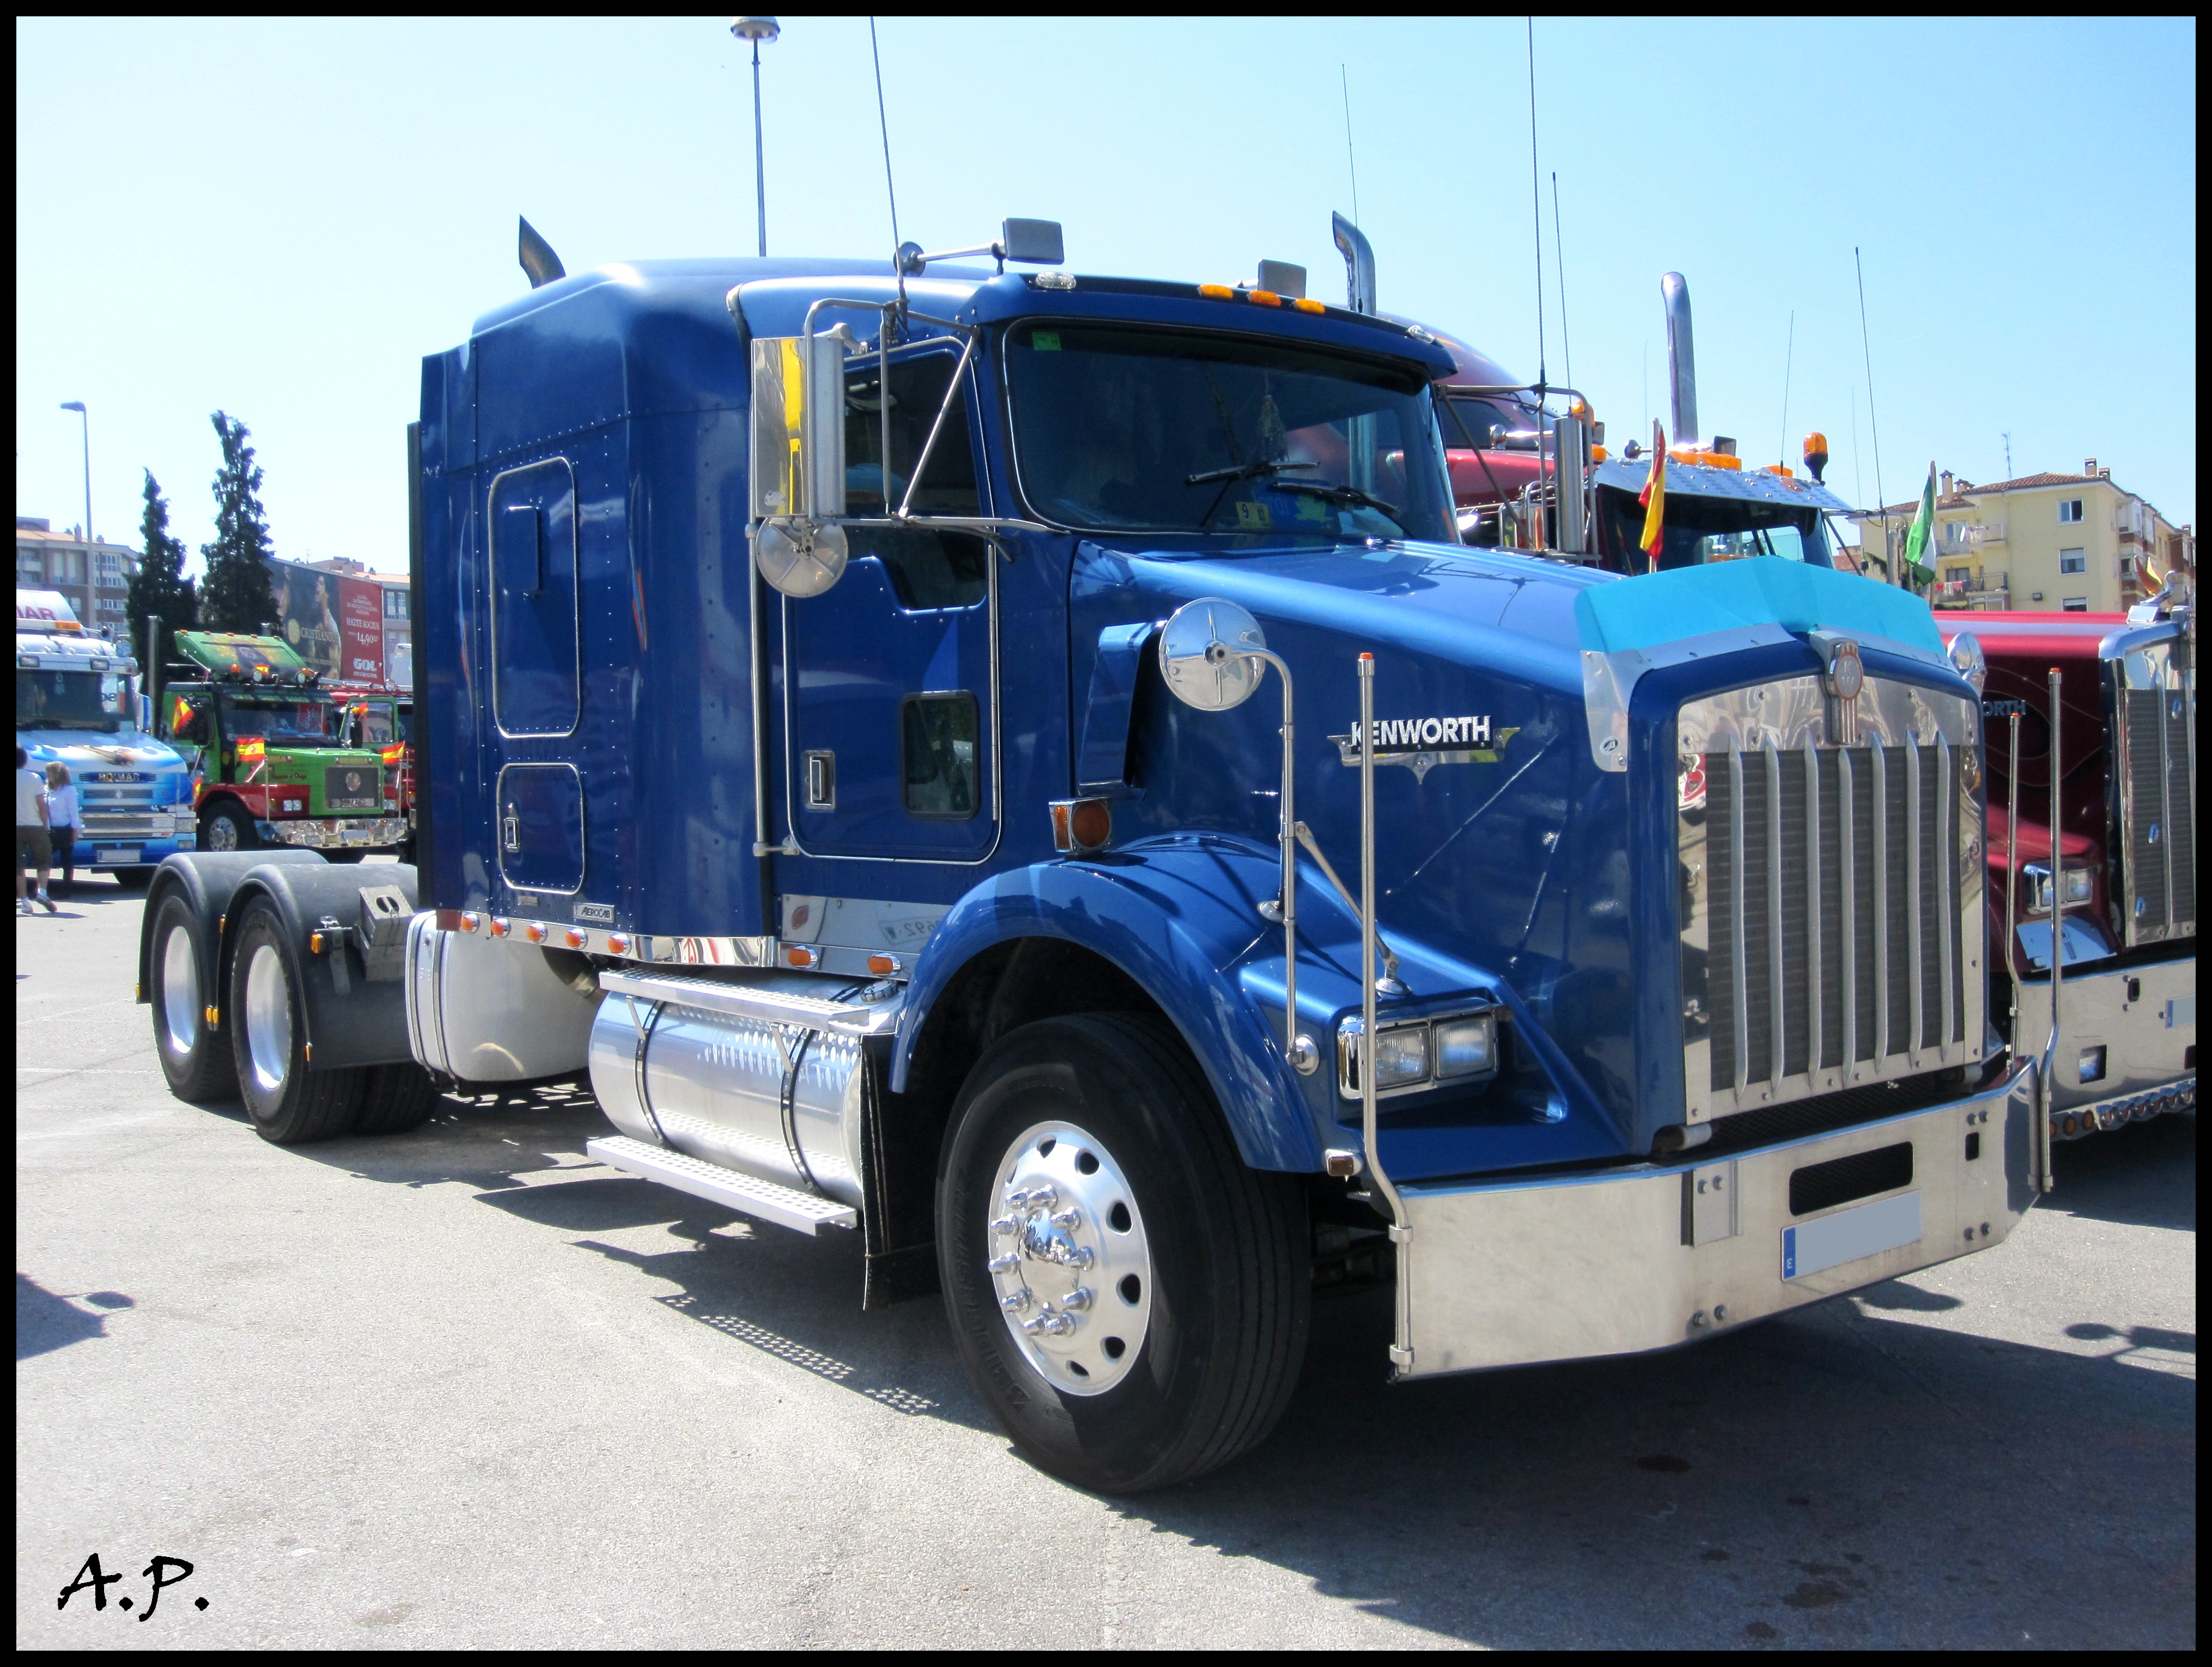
{"x":464,"y":1388}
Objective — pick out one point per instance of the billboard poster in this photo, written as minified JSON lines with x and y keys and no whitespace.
{"x":398,"y":651}
{"x":306,"y":603}
{"x":360,"y":606}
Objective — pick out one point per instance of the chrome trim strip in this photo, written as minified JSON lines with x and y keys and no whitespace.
{"x":1813,"y":967}
{"x":1735,"y":926}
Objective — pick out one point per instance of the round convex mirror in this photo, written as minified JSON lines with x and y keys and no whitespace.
{"x":800,"y":558}
{"x":1968,"y":660}
{"x":1208,"y":654}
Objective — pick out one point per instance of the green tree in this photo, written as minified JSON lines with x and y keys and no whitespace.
{"x":160,"y":589}
{"x":236,"y":595}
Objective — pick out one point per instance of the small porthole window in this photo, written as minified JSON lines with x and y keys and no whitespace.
{"x":940,"y":738}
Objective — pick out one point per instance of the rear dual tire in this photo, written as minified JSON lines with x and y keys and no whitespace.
{"x":289,"y":1104}
{"x":196,"y":1064}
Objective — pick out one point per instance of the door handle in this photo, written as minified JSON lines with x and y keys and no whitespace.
{"x":510,"y":830}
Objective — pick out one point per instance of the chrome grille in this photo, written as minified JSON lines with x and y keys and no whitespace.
{"x":1832,"y":892}
{"x":2154,"y":785}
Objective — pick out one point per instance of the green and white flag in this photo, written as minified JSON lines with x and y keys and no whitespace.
{"x":1921,"y":534}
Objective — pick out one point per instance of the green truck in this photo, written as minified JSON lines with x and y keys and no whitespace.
{"x":266,"y":745}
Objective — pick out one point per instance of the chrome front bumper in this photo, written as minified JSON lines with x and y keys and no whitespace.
{"x":339,"y":832}
{"x":2126,"y":1042}
{"x":1509,"y":1273}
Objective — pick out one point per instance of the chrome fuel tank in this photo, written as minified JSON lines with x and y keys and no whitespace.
{"x":778,"y":1101}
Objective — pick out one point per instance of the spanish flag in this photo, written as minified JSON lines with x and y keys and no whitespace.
{"x":396,"y":752}
{"x":180,"y":712}
{"x":252,"y":747}
{"x":1654,"y":498}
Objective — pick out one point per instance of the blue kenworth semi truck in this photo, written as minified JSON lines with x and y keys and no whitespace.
{"x":1018,"y":765}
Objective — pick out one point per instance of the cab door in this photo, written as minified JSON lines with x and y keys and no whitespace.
{"x":890,"y":709}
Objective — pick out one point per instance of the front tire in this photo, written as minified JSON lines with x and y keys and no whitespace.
{"x":197,"y":1065}
{"x":1092,"y":1195}
{"x":226,"y":826}
{"x":289,"y":1104}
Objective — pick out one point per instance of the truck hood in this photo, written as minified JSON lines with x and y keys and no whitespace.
{"x":83,"y":750}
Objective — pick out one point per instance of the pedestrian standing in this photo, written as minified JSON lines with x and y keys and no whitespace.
{"x":32,"y":845}
{"x":61,"y":823}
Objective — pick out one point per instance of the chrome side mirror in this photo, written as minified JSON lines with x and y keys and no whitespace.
{"x":798,"y":461}
{"x":1210,"y":654}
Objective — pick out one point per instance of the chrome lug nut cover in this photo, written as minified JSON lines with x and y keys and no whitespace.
{"x":1076,"y":1288}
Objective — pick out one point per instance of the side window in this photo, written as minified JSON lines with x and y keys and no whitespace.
{"x":376,"y":726}
{"x":929,"y":568}
{"x":537,"y":676}
{"x":939,"y":754}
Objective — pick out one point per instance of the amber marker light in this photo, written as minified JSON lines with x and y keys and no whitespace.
{"x":1217,"y":291}
{"x":576,"y":939}
{"x":501,"y":926}
{"x":1263,"y":298}
{"x":470,"y":921}
{"x":883,"y":966}
{"x":1306,"y":303}
{"x":618,"y":943}
{"x":534,"y":933}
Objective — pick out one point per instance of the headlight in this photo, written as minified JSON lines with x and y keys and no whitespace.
{"x":1401,"y":1057}
{"x":2035,"y":877}
{"x":1467,"y":1047}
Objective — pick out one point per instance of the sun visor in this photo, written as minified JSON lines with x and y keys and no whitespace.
{"x":1638,"y":625}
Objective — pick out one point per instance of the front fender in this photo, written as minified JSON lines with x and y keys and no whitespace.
{"x":1174,"y":915}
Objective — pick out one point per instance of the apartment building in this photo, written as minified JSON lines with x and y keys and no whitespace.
{"x":2042,"y":543}
{"x":94,"y":574}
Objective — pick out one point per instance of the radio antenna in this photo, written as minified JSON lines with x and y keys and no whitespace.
{"x":1788,"y":354}
{"x":1536,"y":205}
{"x":1874,"y":423}
{"x":1350,"y":156}
{"x":884,"y":123}
{"x":1560,"y":259}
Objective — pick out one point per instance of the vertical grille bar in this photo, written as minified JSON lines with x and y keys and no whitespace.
{"x":2148,"y":829}
{"x":1947,"y":912}
{"x":1879,"y":826}
{"x":1846,"y":851}
{"x":1914,"y":958}
{"x":2166,"y":800}
{"x":1814,"y":966}
{"x":1737,"y":926}
{"x":1774,"y":965}
{"x":2181,"y":804}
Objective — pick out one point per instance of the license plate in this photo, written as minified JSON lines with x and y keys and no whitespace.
{"x":127,"y":855}
{"x":1849,"y":1234}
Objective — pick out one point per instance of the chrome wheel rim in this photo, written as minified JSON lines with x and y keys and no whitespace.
{"x":268,"y":1018}
{"x":1069,"y":1261}
{"x":222,"y":835}
{"x":180,"y":992}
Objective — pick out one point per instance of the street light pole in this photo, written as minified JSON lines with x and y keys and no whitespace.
{"x":77,"y":405}
{"x":758,"y":29}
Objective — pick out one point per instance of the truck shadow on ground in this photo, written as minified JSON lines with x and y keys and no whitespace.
{"x":1835,"y":1477}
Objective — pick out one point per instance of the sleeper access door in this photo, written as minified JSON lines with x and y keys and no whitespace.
{"x":891,"y":734}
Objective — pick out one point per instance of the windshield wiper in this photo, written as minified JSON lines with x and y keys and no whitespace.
{"x":1235,"y":472}
{"x":1346,"y":495}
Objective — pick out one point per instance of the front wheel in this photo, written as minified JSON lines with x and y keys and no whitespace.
{"x":226,"y":826}
{"x":197,"y":1065}
{"x":1128,"y":1297}
{"x":289,"y":1104}
{"x":133,"y":879}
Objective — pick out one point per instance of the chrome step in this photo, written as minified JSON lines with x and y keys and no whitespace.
{"x":785,"y":1206}
{"x":776,"y":1006}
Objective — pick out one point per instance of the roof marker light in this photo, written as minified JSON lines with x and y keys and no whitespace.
{"x":1263,"y":298}
{"x":1307,"y":304}
{"x":1217,"y":291}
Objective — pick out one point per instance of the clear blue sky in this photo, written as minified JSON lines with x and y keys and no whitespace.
{"x":282,"y":218}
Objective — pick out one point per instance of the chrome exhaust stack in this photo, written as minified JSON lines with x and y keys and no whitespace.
{"x":1359,"y":264}
{"x":1681,"y":357}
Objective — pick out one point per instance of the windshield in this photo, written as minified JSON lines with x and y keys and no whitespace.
{"x":70,"y":700}
{"x":1124,"y":429}
{"x":1477,"y":423}
{"x":281,"y":722}
{"x":1698,"y":530}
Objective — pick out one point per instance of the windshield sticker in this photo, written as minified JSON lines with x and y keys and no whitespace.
{"x":1254,"y":518}
{"x":1045,"y":341}
{"x":1423,"y":743}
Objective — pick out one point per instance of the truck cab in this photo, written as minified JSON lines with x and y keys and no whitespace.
{"x":76,"y":705}
{"x":1020,"y":767}
{"x":271,"y":755}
